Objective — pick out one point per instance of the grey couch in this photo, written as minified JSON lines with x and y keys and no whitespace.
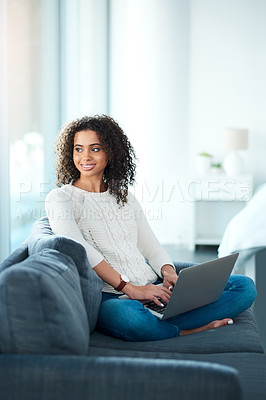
{"x":49,"y":299}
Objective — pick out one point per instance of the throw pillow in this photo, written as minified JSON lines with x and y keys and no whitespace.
{"x":41,"y":306}
{"x":42,"y":237}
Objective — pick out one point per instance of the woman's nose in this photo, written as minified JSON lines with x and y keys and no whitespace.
{"x":86,"y":155}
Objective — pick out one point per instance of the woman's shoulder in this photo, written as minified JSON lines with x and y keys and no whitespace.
{"x":60,"y":193}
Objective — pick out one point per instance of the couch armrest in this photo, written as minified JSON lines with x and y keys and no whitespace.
{"x":105,"y":378}
{"x":17,"y":256}
{"x":259,"y":305}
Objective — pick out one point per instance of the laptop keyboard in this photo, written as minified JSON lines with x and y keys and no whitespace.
{"x":153,"y":306}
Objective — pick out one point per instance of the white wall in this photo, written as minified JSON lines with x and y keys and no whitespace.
{"x":149,"y":98}
{"x":181,"y":71}
{"x":228,"y":77}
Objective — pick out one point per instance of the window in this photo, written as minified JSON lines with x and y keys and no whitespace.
{"x":30,"y":79}
{"x":53,"y":68}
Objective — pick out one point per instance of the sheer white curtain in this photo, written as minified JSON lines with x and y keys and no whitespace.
{"x":53,"y":68}
{"x":30,"y":112}
{"x":84,"y":58}
{"x":4,"y":148}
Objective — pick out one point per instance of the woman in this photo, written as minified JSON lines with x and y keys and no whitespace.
{"x":95,"y":166}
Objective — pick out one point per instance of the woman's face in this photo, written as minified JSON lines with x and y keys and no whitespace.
{"x":88,"y":155}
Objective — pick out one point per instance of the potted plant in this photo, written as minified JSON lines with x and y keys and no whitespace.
{"x":216,"y":168}
{"x":203,"y":162}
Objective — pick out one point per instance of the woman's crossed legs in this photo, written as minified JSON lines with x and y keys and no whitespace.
{"x":130,"y":320}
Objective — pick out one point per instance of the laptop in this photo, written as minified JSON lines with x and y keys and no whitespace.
{"x":196,"y":286}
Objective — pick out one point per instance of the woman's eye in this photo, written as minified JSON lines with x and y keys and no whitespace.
{"x":95,"y":149}
{"x":78,"y":150}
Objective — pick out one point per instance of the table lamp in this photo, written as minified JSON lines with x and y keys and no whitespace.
{"x":234,"y":139}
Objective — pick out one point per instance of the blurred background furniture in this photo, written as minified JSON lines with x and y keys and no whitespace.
{"x":216,"y":200}
{"x":246,"y":234}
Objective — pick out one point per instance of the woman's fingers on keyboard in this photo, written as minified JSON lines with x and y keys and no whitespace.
{"x":158,"y":294}
{"x":163,"y":295}
{"x":157,"y":301}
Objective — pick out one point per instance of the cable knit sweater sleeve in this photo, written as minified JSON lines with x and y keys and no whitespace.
{"x":62,"y":215}
{"x":148,"y":244}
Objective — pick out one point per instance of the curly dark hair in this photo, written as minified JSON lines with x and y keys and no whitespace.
{"x":121,"y":166}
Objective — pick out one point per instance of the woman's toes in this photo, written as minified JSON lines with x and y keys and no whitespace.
{"x":219,"y":323}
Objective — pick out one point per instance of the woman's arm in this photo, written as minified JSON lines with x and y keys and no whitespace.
{"x":61,"y":214}
{"x":151,"y":249}
{"x":146,"y":292}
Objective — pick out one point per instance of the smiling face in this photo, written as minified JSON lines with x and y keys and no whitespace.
{"x":88,"y":156}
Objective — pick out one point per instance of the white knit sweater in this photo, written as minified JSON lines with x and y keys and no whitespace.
{"x":119,"y":234}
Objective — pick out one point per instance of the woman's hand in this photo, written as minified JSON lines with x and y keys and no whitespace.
{"x":148,"y":292}
{"x":169,"y":276}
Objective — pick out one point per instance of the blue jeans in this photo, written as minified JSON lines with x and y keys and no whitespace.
{"x":130,"y":320}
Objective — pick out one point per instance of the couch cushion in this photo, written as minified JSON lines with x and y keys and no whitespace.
{"x":115,"y":378}
{"x":42,"y":237}
{"x":239,"y":337}
{"x":18,"y":255}
{"x":41,"y":306}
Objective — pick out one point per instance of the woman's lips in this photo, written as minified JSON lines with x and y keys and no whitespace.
{"x":87,"y":167}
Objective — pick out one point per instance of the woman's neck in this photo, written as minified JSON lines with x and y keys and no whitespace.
{"x":89,"y":186}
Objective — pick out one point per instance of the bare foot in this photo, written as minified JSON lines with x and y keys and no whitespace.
{"x":211,"y":325}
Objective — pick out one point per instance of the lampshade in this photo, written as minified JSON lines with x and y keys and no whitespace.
{"x":235,"y":139}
